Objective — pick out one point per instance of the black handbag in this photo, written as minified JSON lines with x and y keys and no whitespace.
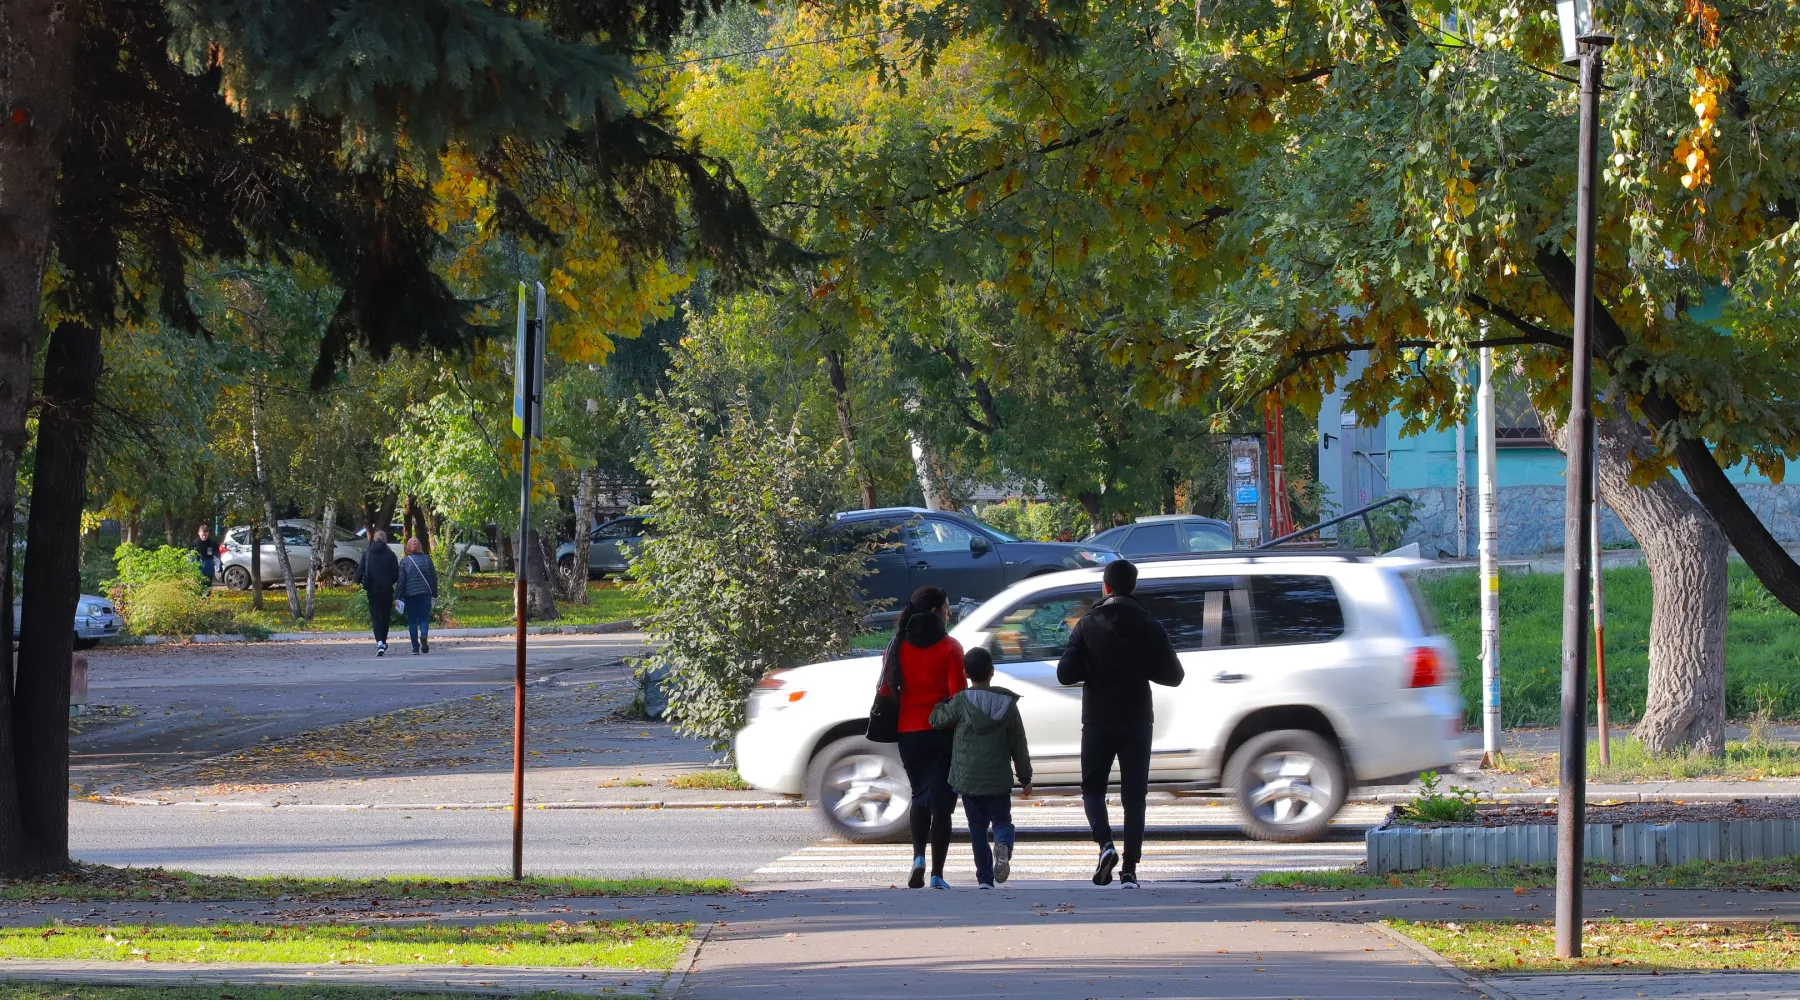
{"x":884,"y":714}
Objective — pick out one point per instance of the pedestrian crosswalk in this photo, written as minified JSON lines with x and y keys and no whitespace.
{"x":1185,"y":843}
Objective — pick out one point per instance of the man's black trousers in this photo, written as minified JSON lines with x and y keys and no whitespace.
{"x":1130,"y":746}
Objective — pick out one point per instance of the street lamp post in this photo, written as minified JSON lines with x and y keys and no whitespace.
{"x":1583,"y":45}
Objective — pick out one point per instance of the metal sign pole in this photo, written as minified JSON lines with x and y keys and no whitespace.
{"x":528,"y":392}
{"x":1488,"y":550}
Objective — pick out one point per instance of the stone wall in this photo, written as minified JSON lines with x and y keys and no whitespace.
{"x":1531,"y":518}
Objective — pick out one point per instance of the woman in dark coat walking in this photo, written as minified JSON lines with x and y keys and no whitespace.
{"x":418,"y":585}
{"x":378,"y":572}
{"x":930,"y":670}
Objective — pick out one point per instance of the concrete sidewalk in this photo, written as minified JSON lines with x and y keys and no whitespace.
{"x":1048,"y":942}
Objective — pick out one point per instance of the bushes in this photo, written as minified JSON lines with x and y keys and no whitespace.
{"x":138,"y":566}
{"x":1038,"y":520}
{"x":172,"y":607}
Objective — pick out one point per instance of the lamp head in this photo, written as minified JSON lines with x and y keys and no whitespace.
{"x":1578,"y":23}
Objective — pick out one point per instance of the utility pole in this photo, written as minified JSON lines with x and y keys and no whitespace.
{"x":1582,"y":45}
{"x":528,"y":418}
{"x":1462,"y":491}
{"x":1600,"y":623}
{"x":1489,"y":522}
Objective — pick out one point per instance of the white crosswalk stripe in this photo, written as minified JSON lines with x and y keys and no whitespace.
{"x":1195,"y":843}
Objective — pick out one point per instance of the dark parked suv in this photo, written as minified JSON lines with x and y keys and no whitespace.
{"x":970,"y":559}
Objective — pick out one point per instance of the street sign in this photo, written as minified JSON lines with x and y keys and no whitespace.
{"x":528,"y":361}
{"x":1244,"y":495}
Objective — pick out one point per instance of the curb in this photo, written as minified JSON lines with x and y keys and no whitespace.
{"x":447,"y":633}
{"x":127,"y":800}
{"x":1435,"y":960}
{"x":684,"y":963}
{"x":1594,"y":799}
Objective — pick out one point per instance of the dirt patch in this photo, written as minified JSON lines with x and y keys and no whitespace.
{"x":1631,"y":812}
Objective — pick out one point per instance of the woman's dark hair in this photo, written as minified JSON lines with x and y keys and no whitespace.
{"x":925,"y":601}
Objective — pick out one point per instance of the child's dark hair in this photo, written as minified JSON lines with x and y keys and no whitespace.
{"x":978,"y":664}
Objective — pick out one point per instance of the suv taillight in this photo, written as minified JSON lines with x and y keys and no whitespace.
{"x":1427,"y":668}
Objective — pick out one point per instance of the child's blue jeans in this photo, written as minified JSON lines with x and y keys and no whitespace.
{"x":983,"y":812}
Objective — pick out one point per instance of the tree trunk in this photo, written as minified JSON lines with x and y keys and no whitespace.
{"x":840,"y":391}
{"x":324,"y":562}
{"x":416,"y":524}
{"x":584,"y":536}
{"x":268,"y":502}
{"x":168,"y":526}
{"x":540,"y":597}
{"x":384,"y":515}
{"x":52,"y":587}
{"x":1686,"y":554}
{"x":256,"y":581}
{"x":931,"y":477}
{"x":506,"y":554}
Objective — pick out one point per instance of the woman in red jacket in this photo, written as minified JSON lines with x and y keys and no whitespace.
{"x":931,"y":670}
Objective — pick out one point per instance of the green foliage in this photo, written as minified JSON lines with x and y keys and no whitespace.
{"x":1762,"y":647}
{"x":1433,"y":806}
{"x":1038,"y":520}
{"x":139,"y":566}
{"x":747,"y":573}
{"x":1390,"y":522}
{"x":173,"y":607}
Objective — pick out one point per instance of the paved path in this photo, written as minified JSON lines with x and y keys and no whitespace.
{"x":1684,"y":986}
{"x":487,"y":980}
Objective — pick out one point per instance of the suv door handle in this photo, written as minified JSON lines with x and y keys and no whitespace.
{"x":1225,"y":677}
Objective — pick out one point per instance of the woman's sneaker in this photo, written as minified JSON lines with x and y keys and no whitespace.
{"x":917,"y":881}
{"x":1109,"y":859}
{"x":937,"y":882}
{"x":1002,"y":861}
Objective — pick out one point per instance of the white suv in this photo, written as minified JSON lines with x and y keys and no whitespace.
{"x":1306,"y":673}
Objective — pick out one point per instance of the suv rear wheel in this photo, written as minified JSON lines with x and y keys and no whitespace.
{"x":861,"y":790}
{"x":1287,"y":783}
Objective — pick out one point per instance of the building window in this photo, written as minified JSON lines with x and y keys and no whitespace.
{"x":1515,"y":421}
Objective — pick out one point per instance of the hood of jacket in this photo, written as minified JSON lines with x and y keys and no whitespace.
{"x":989,"y":704}
{"x":924,"y":630}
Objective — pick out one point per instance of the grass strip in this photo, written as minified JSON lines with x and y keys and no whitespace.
{"x":482,"y":601}
{"x":619,"y":944}
{"x":1751,"y":759}
{"x":1781,"y":874}
{"x":65,"y":991}
{"x":1612,"y":945}
{"x":85,"y":882}
{"x":724,"y":780}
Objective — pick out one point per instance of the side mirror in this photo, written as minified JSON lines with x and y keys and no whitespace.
{"x":980,"y":545}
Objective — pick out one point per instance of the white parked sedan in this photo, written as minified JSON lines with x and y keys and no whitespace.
{"x":1307,"y":673}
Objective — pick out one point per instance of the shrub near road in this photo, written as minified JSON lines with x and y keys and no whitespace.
{"x":1762,"y":652}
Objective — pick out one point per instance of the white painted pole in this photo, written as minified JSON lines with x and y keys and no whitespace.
{"x":1490,"y":569}
{"x":1462,"y":491}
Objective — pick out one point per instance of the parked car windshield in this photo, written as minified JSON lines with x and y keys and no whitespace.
{"x":990,"y":529}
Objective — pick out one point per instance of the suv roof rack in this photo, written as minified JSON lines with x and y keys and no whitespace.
{"x":1257,"y":555}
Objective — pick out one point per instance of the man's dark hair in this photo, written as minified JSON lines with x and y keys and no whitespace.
{"x":978,"y":664}
{"x":1120,"y":576}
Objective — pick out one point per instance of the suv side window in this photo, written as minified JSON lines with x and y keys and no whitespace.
{"x":1291,"y":610}
{"x":614,"y":529}
{"x":1198,"y":614}
{"x":1203,"y":537}
{"x":1038,"y":628}
{"x":933,"y":535}
{"x":1110,"y":538}
{"x":1152,"y":539}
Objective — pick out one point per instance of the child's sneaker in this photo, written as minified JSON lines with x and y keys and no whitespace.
{"x":1002,"y":861}
{"x":937,"y":882}
{"x":1109,"y":858}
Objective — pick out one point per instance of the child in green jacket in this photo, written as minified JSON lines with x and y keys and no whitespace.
{"x":989,"y":746}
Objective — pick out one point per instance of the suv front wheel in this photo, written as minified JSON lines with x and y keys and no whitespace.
{"x":861,"y":790}
{"x":1287,"y":784}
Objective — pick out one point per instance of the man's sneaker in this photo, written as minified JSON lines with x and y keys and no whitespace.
{"x":1128,"y":879}
{"x":918,"y":875}
{"x":1103,"y":871}
{"x":987,"y":885}
{"x":937,"y":882}
{"x":381,"y":649}
{"x":424,"y":645}
{"x":1002,"y":861}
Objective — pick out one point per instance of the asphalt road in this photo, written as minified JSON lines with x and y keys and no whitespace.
{"x":170,"y":705}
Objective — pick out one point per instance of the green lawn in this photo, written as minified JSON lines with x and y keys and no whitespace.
{"x":65,"y":991}
{"x":1762,"y":657}
{"x":101,"y":882}
{"x":1612,"y":945}
{"x":719,"y":779}
{"x":1744,"y":760}
{"x":1781,"y":875}
{"x":482,"y":601}
{"x":618,"y":944}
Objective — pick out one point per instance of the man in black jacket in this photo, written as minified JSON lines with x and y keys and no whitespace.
{"x":378,"y":572}
{"x":1117,"y":651}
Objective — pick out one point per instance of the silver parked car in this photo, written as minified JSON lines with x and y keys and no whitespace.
{"x":478,"y":559}
{"x":1166,"y":535}
{"x":615,"y":544}
{"x":95,"y":619}
{"x":296,"y":533}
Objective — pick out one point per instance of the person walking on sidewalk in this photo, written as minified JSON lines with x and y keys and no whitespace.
{"x":378,"y":572}
{"x":418,"y":585}
{"x":988,"y":748}
{"x":1116,"y":652}
{"x":207,"y":552}
{"x":928,"y":665}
